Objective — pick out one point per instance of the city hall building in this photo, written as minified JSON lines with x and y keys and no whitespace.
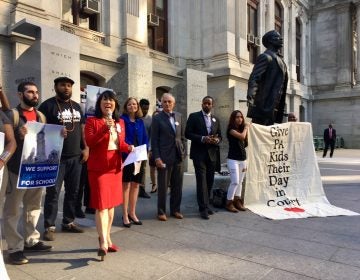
{"x":192,"y":48}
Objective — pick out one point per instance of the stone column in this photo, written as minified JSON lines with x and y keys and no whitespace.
{"x":357,"y":77}
{"x":291,"y":43}
{"x":54,"y":53}
{"x":241,"y":30}
{"x":344,"y":50}
{"x":134,"y":78}
{"x":270,"y":15}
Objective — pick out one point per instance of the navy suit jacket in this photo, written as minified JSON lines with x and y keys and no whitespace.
{"x":326,"y":135}
{"x":167,"y":144}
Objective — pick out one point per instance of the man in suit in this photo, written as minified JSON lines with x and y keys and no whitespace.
{"x":267,"y":83}
{"x":168,"y":149}
{"x":203,"y":129}
{"x":329,"y":139}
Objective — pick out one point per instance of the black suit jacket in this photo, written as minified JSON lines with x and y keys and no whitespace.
{"x":167,"y":144}
{"x":326,"y":135}
{"x":267,"y":88}
{"x":195,"y":130}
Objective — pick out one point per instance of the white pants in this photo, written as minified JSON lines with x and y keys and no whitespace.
{"x":31,"y":201}
{"x":237,"y":170}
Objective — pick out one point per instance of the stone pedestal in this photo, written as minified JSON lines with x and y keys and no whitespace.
{"x":134,"y":79}
{"x":54,"y":53}
{"x":189,"y":94}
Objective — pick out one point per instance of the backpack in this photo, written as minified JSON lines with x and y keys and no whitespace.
{"x":16,"y":117}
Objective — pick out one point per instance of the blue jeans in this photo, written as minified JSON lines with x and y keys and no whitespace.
{"x":69,"y":173}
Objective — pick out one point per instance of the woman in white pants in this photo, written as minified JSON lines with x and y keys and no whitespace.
{"x":236,"y":163}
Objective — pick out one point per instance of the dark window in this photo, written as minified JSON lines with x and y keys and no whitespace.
{"x":278,"y":17}
{"x":253,"y":39}
{"x":157,"y":33}
{"x":298,"y":49}
{"x":82,"y":13}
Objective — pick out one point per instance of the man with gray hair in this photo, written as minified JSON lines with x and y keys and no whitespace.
{"x":168,"y":149}
{"x":267,"y":83}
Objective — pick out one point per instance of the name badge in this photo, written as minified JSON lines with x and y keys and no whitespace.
{"x":213,"y":119}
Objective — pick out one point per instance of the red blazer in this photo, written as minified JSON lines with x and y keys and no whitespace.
{"x":97,"y":138}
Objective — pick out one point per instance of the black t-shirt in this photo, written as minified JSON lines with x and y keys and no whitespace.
{"x":236,"y":148}
{"x":70,"y":115}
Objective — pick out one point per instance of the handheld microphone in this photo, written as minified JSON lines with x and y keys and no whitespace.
{"x":109,"y":117}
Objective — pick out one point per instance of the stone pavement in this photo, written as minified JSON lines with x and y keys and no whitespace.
{"x":228,"y":246}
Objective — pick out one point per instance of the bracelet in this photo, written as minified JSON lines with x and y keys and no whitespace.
{"x":5,"y":156}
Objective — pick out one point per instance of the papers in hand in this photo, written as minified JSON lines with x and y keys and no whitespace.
{"x":139,"y":154}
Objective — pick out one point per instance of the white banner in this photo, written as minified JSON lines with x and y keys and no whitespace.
{"x":283,"y":178}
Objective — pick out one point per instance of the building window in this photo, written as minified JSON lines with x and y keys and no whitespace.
{"x":252,"y":23}
{"x":83,"y":13}
{"x":298,"y":49}
{"x":157,"y":25}
{"x":278,"y":17}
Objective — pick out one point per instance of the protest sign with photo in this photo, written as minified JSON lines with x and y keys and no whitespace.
{"x":92,"y":94}
{"x":40,"y":155}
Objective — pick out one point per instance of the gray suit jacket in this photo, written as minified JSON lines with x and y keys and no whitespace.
{"x":167,"y":144}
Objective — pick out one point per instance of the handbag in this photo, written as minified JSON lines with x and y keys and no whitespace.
{"x":219,"y":198}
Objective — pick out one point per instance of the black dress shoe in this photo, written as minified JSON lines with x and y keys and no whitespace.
{"x":204,"y":215}
{"x":126,"y":225}
{"x":210,"y":212}
{"x":138,"y":222}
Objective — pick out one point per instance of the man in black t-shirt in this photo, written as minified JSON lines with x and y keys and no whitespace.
{"x":61,"y":110}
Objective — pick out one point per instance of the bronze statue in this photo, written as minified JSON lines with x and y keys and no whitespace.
{"x":267,"y":83}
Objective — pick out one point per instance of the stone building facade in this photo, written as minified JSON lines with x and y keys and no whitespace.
{"x":193,"y":48}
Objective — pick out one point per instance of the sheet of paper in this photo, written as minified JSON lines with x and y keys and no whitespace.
{"x":139,"y":154}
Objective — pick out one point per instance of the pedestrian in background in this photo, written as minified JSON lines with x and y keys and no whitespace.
{"x":329,"y":140}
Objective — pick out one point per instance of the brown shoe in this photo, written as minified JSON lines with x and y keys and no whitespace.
{"x":238,"y":203}
{"x":162,"y":218}
{"x":230,"y":206}
{"x":177,"y":215}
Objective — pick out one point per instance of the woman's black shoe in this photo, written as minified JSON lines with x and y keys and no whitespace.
{"x":126,"y":225}
{"x":138,"y":223}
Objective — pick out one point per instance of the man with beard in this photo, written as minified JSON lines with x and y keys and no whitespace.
{"x":30,"y":198}
{"x":61,"y":110}
{"x":203,"y":129}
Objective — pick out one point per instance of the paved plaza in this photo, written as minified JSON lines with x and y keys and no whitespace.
{"x":228,"y":246}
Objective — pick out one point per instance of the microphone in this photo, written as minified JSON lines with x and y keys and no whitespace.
{"x":109,"y":117}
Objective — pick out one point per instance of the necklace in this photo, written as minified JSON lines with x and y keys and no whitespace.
{"x":61,"y":116}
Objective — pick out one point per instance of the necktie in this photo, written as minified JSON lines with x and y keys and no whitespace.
{"x":172,"y":120}
{"x":330,"y":133}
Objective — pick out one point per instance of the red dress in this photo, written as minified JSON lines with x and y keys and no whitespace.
{"x":104,"y":166}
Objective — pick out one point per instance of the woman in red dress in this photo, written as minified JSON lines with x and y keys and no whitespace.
{"x":105,"y":136}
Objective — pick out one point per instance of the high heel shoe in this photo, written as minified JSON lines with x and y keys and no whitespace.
{"x":126,"y":225}
{"x":102,"y":253}
{"x":153,"y":188}
{"x":138,"y":222}
{"x":113,"y":248}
